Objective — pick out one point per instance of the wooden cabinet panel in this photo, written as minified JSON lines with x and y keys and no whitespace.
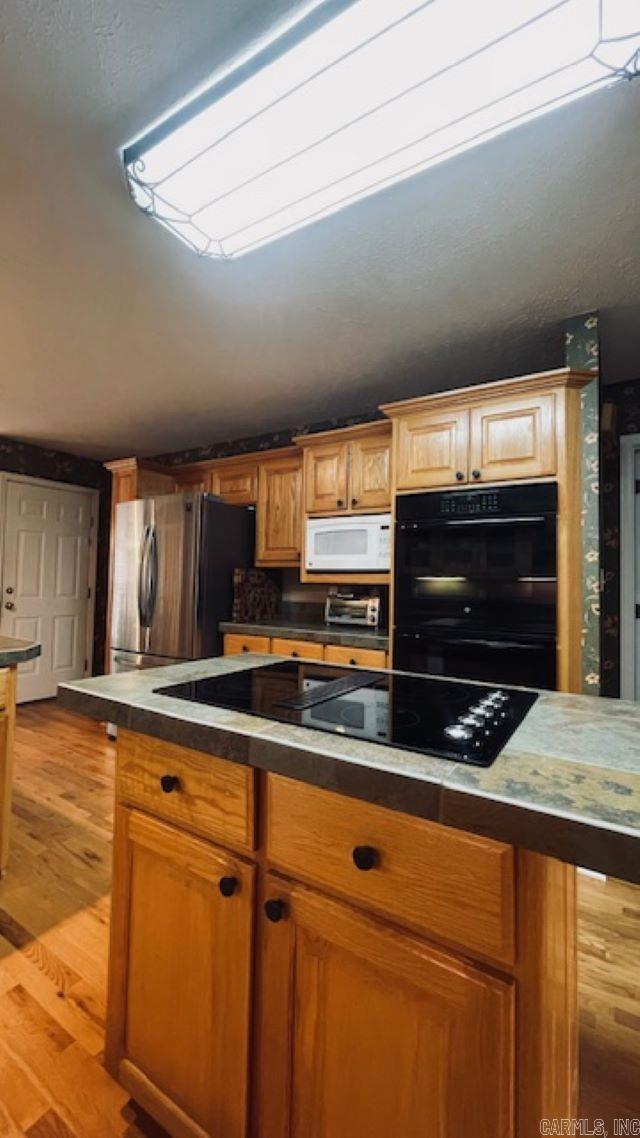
{"x":325,"y":477}
{"x":5,"y":687}
{"x":279,"y":521}
{"x":367,"y":1032}
{"x":306,"y":649}
{"x":448,"y":883}
{"x":195,"y":479}
{"x":180,"y":972}
{"x":237,"y":484}
{"x":363,"y":657}
{"x":212,"y":796}
{"x":8,"y":685}
{"x":234,"y":644}
{"x":370,"y":473}
{"x":513,"y":438}
{"x":432,"y":449}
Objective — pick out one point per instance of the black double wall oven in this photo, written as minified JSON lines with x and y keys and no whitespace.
{"x":475,"y":584}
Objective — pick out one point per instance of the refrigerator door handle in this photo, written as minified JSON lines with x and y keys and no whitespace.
{"x":143,"y":579}
{"x":152,"y":579}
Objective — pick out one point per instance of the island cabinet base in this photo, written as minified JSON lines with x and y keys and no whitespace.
{"x":327,"y":968}
{"x":8,"y":684}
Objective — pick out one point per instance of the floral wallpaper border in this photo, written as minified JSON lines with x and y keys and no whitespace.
{"x":582,"y":351}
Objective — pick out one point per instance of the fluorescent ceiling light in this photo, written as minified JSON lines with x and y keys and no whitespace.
{"x":360,"y":94}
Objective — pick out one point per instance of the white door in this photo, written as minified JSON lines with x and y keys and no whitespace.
{"x":45,"y":581}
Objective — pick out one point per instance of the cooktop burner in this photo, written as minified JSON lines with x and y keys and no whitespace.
{"x":448,"y":718}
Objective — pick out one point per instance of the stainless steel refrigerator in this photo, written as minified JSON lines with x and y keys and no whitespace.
{"x":173,"y":565}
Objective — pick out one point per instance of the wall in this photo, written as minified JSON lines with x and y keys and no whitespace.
{"x":620,"y":416}
{"x":22,"y":458}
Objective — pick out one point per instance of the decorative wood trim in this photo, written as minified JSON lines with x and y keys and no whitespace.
{"x":487,"y":392}
{"x":344,"y":434}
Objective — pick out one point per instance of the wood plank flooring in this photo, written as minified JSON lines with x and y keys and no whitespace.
{"x":54,"y":913}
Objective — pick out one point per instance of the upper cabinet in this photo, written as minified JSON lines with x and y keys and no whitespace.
{"x":347,"y":470}
{"x":279,"y":513}
{"x":235,"y":482}
{"x":496,"y":432}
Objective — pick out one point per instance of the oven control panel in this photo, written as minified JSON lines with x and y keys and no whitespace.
{"x":467,"y":505}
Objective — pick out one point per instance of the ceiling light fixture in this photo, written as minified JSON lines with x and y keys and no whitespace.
{"x":359,"y":94}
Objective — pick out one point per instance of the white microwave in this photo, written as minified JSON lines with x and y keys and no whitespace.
{"x":360,"y":543}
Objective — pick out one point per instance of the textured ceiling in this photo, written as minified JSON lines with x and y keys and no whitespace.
{"x":115,"y":339}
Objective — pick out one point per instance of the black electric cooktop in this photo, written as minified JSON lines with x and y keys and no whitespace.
{"x":448,"y":718}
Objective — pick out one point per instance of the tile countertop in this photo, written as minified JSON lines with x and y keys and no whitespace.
{"x":17,"y":651}
{"x":349,"y":636}
{"x":567,"y":784}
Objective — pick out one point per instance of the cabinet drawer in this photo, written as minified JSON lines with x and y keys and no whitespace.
{"x":212,"y":796}
{"x":234,"y":644}
{"x":362,"y":657}
{"x":236,"y":484}
{"x":305,"y":649}
{"x":452,"y":885}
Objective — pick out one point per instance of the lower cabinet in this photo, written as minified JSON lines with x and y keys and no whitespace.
{"x":305,"y":649}
{"x":367,"y":1032}
{"x":180,"y":977}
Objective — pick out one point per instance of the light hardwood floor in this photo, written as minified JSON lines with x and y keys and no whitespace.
{"x":54,"y":912}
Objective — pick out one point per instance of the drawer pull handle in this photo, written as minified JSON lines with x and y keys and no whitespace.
{"x":228,"y":886}
{"x":296,"y":654}
{"x":169,"y":782}
{"x":365,"y":857}
{"x":275,"y":910}
{"x":353,"y":660}
{"x":245,"y":648}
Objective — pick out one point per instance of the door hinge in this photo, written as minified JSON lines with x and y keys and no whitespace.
{"x":637,"y":612}
{"x":637,"y":485}
{"x":86,"y":665}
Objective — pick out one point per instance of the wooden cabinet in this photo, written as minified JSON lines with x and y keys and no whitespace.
{"x":432,"y":449}
{"x":361,"y":657}
{"x":236,"y":482}
{"x":8,"y":685}
{"x":180,"y":976}
{"x":513,"y":438}
{"x":193,"y":479}
{"x":279,"y":514}
{"x":234,"y":644}
{"x":347,"y":470}
{"x":325,"y":478}
{"x":495,"y":432}
{"x":305,"y":649}
{"x":366,"y":1031}
{"x":370,"y":473}
{"x":458,"y":887}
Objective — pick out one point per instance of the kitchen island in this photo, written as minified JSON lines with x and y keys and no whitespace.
{"x":12,"y":653}
{"x":321,"y":937}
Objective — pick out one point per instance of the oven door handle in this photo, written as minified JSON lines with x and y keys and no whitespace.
{"x":437,"y":523}
{"x":480,"y":642}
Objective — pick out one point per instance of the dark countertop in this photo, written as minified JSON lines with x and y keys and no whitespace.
{"x":567,"y":784}
{"x":14,"y":651}
{"x":349,"y":636}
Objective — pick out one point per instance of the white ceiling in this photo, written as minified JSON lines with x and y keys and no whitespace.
{"x":116,"y":339}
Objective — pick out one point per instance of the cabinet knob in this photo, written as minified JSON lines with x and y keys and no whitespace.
{"x":340,"y":503}
{"x":459,"y":475}
{"x":228,"y":886}
{"x":352,"y":661}
{"x":275,"y":910}
{"x":295,"y":654}
{"x":475,"y":473}
{"x":169,"y":782}
{"x":365,"y":857}
{"x":245,"y":647}
{"x":354,"y":501}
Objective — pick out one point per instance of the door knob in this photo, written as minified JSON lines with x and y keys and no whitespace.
{"x":228,"y":886}
{"x":365,"y":857}
{"x":9,"y":589}
{"x":9,"y":605}
{"x":275,"y":910}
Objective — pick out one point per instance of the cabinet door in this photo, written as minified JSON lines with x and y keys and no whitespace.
{"x":179,"y":983}
{"x":370,"y":474}
{"x":279,"y":520}
{"x":194,"y":479}
{"x":366,"y":1032}
{"x":325,"y":478}
{"x":432,"y":449}
{"x":513,"y":438}
{"x":237,"y":484}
